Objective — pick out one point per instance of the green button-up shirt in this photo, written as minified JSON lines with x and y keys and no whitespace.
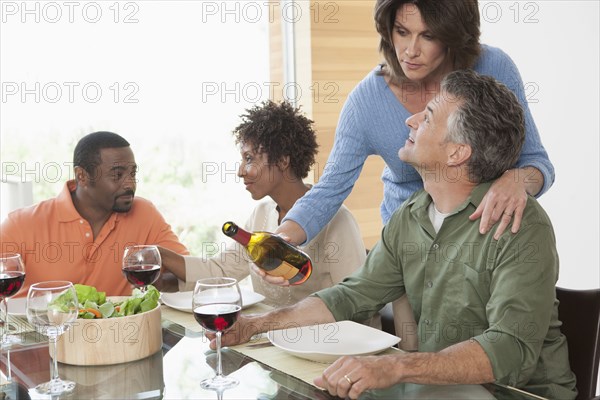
{"x":462,"y":284}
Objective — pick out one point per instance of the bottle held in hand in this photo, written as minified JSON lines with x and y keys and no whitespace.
{"x":272,"y":254}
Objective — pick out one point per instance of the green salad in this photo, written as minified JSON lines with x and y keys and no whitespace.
{"x":93,"y":304}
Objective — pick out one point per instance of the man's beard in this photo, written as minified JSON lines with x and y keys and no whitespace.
{"x":123,"y":209}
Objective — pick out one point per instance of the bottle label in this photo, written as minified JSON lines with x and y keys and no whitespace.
{"x":286,"y":270}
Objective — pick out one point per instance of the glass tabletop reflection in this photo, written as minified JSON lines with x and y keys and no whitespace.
{"x":185,"y":360}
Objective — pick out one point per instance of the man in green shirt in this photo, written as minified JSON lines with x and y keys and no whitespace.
{"x":485,"y":308}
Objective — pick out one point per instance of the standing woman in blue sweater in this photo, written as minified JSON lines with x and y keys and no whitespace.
{"x":421,"y":42}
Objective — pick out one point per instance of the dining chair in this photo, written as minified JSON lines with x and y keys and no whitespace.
{"x":579,"y":311}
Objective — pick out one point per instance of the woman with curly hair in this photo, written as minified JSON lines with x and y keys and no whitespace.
{"x":278,"y":147}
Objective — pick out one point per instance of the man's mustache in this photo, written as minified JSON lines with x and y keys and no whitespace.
{"x":127,"y":193}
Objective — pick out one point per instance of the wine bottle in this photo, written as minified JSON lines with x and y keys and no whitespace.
{"x":272,"y":254}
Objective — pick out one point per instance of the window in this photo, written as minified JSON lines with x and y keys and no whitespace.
{"x":172,"y":77}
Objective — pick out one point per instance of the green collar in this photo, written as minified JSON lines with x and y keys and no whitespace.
{"x":422,"y":200}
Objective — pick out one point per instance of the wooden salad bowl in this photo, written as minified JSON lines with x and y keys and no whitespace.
{"x":111,"y":340}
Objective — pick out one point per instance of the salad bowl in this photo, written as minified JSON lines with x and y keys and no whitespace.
{"x":106,"y":341}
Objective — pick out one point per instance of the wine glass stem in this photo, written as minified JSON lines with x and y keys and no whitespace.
{"x":4,"y":318}
{"x":219,"y":367}
{"x":8,"y":367}
{"x":53,"y":340}
{"x":4,"y":343}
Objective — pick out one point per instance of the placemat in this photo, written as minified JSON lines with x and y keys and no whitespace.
{"x":18,"y":325}
{"x":262,"y":350}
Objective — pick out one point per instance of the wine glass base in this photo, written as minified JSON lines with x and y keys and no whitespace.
{"x":219,"y":383}
{"x":55,"y":387}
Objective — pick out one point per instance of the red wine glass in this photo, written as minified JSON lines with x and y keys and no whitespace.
{"x":141,"y":265}
{"x":216,"y":304}
{"x":12,"y":276}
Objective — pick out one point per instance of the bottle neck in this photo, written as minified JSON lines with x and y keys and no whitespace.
{"x":242,"y":236}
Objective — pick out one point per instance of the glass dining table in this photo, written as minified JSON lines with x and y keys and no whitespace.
{"x":185,"y":359}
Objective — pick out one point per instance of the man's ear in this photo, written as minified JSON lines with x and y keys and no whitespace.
{"x":81,"y":176}
{"x":458,"y":154}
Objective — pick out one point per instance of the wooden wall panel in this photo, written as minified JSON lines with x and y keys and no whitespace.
{"x":343,"y":53}
{"x":343,"y":49}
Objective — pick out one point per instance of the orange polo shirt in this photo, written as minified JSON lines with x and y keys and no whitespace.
{"x":56,"y":243}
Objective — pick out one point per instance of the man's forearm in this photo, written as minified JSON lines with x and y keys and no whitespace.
{"x":310,"y":311}
{"x":462,"y":363}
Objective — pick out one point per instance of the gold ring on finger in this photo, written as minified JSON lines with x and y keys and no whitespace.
{"x":348,"y":379}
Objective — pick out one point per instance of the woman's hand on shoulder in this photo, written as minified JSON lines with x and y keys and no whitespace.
{"x":505,"y":201}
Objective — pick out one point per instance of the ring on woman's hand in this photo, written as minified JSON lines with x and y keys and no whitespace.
{"x":510,"y":215}
{"x":348,"y":379}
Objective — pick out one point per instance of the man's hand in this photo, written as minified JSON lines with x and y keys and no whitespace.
{"x":310,"y":311}
{"x":241,"y":332}
{"x":351,"y":376}
{"x":506,"y":199}
{"x":462,"y":363}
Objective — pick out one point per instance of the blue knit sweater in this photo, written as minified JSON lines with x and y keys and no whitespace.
{"x":372,"y":122}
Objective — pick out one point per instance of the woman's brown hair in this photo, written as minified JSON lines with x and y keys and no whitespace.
{"x":455,"y":23}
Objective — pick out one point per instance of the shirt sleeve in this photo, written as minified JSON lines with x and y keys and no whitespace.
{"x":533,"y":153}
{"x":371,"y":287}
{"x":522,"y":293}
{"x":232,"y":261}
{"x":318,"y":206}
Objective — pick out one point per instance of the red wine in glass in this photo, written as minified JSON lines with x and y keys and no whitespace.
{"x":12,"y":275}
{"x":217,"y":303}
{"x":141,"y":265}
{"x":10,"y":283}
{"x":217,"y":317}
{"x":141,"y":275}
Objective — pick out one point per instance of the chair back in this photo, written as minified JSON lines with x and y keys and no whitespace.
{"x":579,"y":311}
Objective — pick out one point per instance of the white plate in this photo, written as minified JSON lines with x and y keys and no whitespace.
{"x":17,"y":307}
{"x":182,"y":301}
{"x":328,"y":342}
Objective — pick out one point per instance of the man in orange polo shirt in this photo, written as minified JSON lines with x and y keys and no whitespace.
{"x":80,"y":235}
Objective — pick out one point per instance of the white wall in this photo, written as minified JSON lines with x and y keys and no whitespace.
{"x":555,"y":45}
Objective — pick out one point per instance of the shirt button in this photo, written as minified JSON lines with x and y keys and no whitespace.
{"x":87,"y":234}
{"x":436,"y":246}
{"x":429,"y":284}
{"x":427,"y":322}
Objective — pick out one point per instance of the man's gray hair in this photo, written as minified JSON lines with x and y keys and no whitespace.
{"x":489,"y":119}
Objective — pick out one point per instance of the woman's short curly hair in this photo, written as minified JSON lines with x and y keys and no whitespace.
{"x":455,"y":23}
{"x":279,"y":130}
